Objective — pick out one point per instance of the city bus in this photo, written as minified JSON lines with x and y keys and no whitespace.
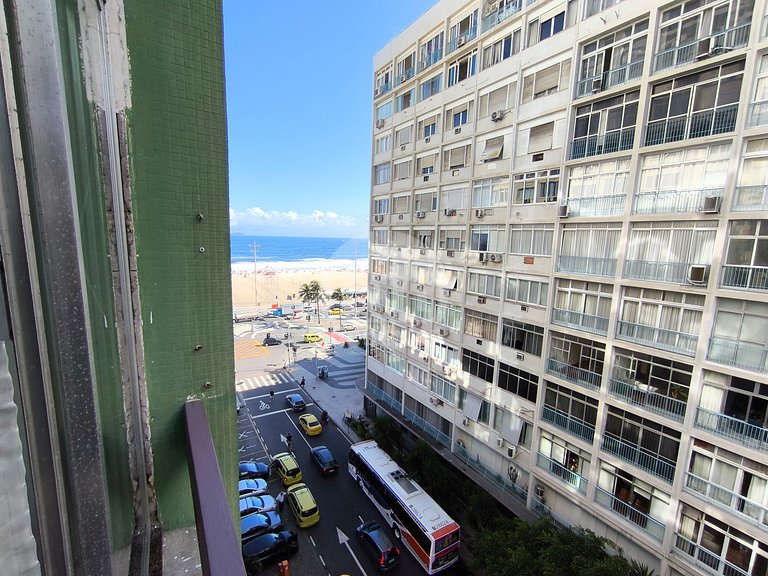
{"x":418,"y":522}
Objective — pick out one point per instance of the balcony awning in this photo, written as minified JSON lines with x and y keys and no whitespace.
{"x":472,"y":406}
{"x":513,"y":429}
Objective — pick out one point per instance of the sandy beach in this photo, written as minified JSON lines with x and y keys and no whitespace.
{"x":274,"y":286}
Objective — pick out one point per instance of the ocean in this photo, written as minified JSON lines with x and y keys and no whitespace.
{"x":298,"y":253}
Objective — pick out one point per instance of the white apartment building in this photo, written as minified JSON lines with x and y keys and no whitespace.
{"x":569,"y":264}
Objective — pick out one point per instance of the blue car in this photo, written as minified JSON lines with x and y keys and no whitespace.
{"x":260,"y":504}
{"x":255,"y":525}
{"x":253,"y":470}
{"x":252,"y":487}
{"x":296,"y":402}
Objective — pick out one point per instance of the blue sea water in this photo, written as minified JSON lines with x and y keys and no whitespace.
{"x":291,"y":252}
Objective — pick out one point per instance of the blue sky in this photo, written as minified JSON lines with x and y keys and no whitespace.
{"x":299,"y":100}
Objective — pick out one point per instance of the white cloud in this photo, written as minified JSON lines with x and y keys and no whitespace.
{"x":258,"y":221}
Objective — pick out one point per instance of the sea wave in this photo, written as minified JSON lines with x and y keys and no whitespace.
{"x":361,"y":265}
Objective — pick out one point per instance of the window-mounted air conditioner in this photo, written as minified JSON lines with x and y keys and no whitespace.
{"x":402,"y":78}
{"x":499,"y":441}
{"x":420,"y":287}
{"x":457,"y":130}
{"x":394,"y":314}
{"x":443,"y":332}
{"x":481,"y":299}
{"x":399,"y":282}
{"x":520,"y":356}
{"x":563,"y":211}
{"x":377,"y":92}
{"x":446,"y":292}
{"x":596,"y":86}
{"x":465,"y":421}
{"x":497,"y":116}
{"x":402,"y":148}
{"x":435,"y":401}
{"x":497,"y":258}
{"x":511,"y":451}
{"x":697,"y":274}
{"x":461,"y":41}
{"x":482,"y":257}
{"x":399,"y":216}
{"x":703,"y":49}
{"x":710,"y":205}
{"x":539,"y":491}
{"x":378,"y":308}
{"x":422,"y":251}
{"x":449,"y":253}
{"x":427,"y":139}
{"x":450,"y":212}
{"x":479,"y":213}
{"x":425,"y":178}
{"x":380,"y":123}
{"x":377,"y":277}
{"x":379,"y":218}
{"x":420,"y":214}
{"x":416,"y":322}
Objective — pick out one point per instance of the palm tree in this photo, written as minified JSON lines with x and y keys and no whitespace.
{"x":312,"y":292}
{"x":338,"y":295}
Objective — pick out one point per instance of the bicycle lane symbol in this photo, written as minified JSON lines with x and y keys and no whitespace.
{"x":263,"y":405}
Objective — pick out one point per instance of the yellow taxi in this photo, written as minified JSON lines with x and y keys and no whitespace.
{"x":312,"y":338}
{"x":287,"y":468}
{"x":335,"y":312}
{"x":303,"y":505}
{"x":310,"y":424}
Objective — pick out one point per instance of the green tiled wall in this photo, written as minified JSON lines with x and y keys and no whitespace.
{"x":178,"y":166}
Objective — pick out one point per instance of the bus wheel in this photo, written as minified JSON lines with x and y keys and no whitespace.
{"x":397,"y":531}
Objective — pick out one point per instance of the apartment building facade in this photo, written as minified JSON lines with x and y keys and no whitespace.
{"x":569,"y":263}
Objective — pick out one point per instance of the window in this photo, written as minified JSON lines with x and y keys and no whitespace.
{"x":758,"y":115}
{"x":613,"y":59}
{"x":540,"y":138}
{"x":538,"y":187}
{"x":384,"y":111}
{"x":696,"y":105}
{"x":454,"y":197}
{"x":633,"y":498}
{"x":461,"y":69}
{"x":382,"y":173}
{"x":595,"y":6}
{"x":425,"y":201}
{"x":446,"y":354}
{"x":403,"y":135}
{"x":458,"y":115}
{"x":376,"y":351}
{"x":405,"y":100}
{"x":661,"y":375}
{"x":428,"y":126}
{"x":462,"y":31}
{"x":599,"y":188}
{"x":746,"y":263}
{"x":378,"y":266}
{"x":518,"y":382}
{"x":403,"y":170}
{"x":490,"y":192}
{"x":742,"y":399}
{"x":404,"y":68}
{"x":547,"y":81}
{"x":564,"y":460}
{"x":511,"y":427}
{"x":420,"y":307}
{"x":448,"y":278}
{"x":484,"y":284}
{"x":739,"y":337}
{"x":448,"y":315}
{"x":474,"y":407}
{"x":552,"y":25}
{"x":451,"y":239}
{"x":493,"y":149}
{"x":527,"y":291}
{"x":575,"y":359}
{"x":589,"y":248}
{"x":400,"y":205}
{"x":443,"y":388}
{"x":521,"y":336}
{"x":531,"y":239}
{"x":383,"y":81}
{"x":380,"y":236}
{"x":480,"y":324}
{"x":575,"y":405}
{"x":380,"y":206}
{"x":752,"y":188}
{"x":430,"y":87}
{"x":502,"y":98}
{"x":458,"y":157}
{"x":426,"y":164}
{"x":605,"y":126}
{"x":431,"y":51}
{"x":581,"y":304}
{"x":421,"y":274}
{"x":487,"y":238}
{"x":383,"y":144}
{"x":501,"y":49}
{"x":417,"y":375}
{"x":395,"y":361}
{"x":478,"y":365}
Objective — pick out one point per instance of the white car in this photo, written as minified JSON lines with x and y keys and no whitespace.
{"x":346,"y":327}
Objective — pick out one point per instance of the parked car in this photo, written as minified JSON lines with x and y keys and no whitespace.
{"x":296,"y":402}
{"x":335,"y":311}
{"x":378,"y":546}
{"x":287,"y":468}
{"x":312,"y":338}
{"x":254,"y":525}
{"x":252,"y":487}
{"x":336,"y":306}
{"x":346,"y":327}
{"x":303,"y":505}
{"x":325,"y":460}
{"x":257,"y":504}
{"x":267,"y":549}
{"x":310,"y":424}
{"x":253,"y":470}
{"x":271,"y":341}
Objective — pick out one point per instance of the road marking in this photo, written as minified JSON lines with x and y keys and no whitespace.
{"x":344,"y":540}
{"x":313,"y":541}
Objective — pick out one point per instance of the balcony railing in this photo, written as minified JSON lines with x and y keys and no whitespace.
{"x":652,"y":463}
{"x":379,"y":394}
{"x":740,"y":354}
{"x":568,"y":423}
{"x":706,"y":559}
{"x":588,"y":322}
{"x":587,"y":265}
{"x":597,"y":206}
{"x":561,"y":472}
{"x":615,"y":141}
{"x":430,"y":59}
{"x":697,"y":125}
{"x":428,"y":429}
{"x":404,"y":76}
{"x":747,"y":277}
{"x":700,"y":49}
{"x":504,"y":484}
{"x":727,"y":498}
{"x":651,"y":526}
{"x":670,"y":272}
{"x":733,"y":429}
{"x":750,"y":198}
{"x":758,"y":114}
{"x":671,"y":340}
{"x":580,"y":376}
{"x":674,"y":201}
{"x":650,"y":401}
{"x":500,"y":14}
{"x":466,"y":36}
{"x":609,"y":79}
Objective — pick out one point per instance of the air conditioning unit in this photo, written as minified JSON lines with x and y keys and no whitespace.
{"x":596,"y":86}
{"x":399,"y":282}
{"x":377,"y":92}
{"x":402,"y":78}
{"x":380,"y":123}
{"x":379,"y":218}
{"x":499,"y":441}
{"x":416,"y":322}
{"x":420,"y":214}
{"x":481,"y":299}
{"x":497,"y":258}
{"x":479,"y":213}
{"x":449,"y":253}
{"x":377,"y":277}
{"x":697,"y":274}
{"x":402,"y":148}
{"x":422,"y":251}
{"x":420,"y":287}
{"x":511,"y":451}
{"x":711,"y":205}
{"x":460,"y":443}
{"x":520,"y":356}
{"x":444,"y":332}
{"x":399,"y":216}
{"x":394,"y":314}
{"x":465,"y":421}
{"x":450,"y":212}
{"x":498,"y":115}
{"x":426,"y":140}
{"x":446,"y":292}
{"x":539,"y":491}
{"x":482,"y":257}
{"x":703,"y":49}
{"x":378,"y":308}
{"x":563,"y":211}
{"x":435,"y":401}
{"x":461,"y":41}
{"x":457,"y":130}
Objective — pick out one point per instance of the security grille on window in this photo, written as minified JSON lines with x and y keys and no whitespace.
{"x":456,"y":158}
{"x":493,"y":149}
{"x":540,"y":137}
{"x":538,"y":187}
{"x":547,"y":81}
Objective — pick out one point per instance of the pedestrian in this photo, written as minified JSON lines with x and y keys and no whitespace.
{"x":302,"y":382}
{"x":289,"y":440}
{"x":271,"y":394}
{"x":280,"y":500}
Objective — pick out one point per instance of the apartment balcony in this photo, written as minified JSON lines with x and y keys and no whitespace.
{"x":670,"y":340}
{"x":576,"y":427}
{"x":644,"y":396}
{"x":758,"y":114}
{"x":727,"y":498}
{"x":740,"y":354}
{"x":736,"y":430}
{"x":745,"y":277}
{"x":644,"y":460}
{"x":750,"y":199}
{"x":597,"y":206}
{"x":651,"y":526}
{"x":406,"y":75}
{"x":574,"y":374}
{"x":595,"y":145}
{"x":500,"y":14}
{"x":459,"y":41}
{"x":669,"y":272}
{"x":506,"y":485}
{"x":703,"y":48}
{"x":580,"y":321}
{"x":587,"y":265}
{"x":609,"y":79}
{"x":382,"y":89}
{"x":382,"y":396}
{"x":562,"y":473}
{"x":698,"y":125}
{"x":429,"y":59}
{"x":674,"y":201}
{"x":428,"y":429}
{"x":705,"y":559}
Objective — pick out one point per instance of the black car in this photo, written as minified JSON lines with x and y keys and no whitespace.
{"x":254,"y":470}
{"x":323,"y":457}
{"x":269,"y":548}
{"x":255,"y":525}
{"x":270,"y":341}
{"x":296,"y":402}
{"x":335,"y":306}
{"x":378,"y":546}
